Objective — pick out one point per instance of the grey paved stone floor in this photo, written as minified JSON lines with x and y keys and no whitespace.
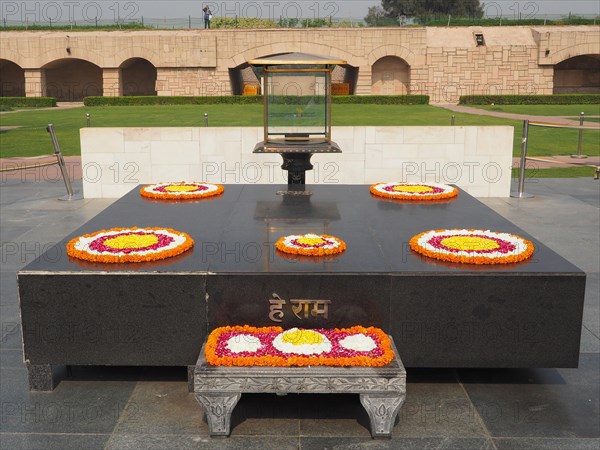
{"x":150,"y":408}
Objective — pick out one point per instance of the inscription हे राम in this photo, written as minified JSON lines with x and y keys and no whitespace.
{"x":301,"y":308}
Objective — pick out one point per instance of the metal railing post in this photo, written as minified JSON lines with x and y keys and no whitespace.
{"x":63,"y":169}
{"x":580,"y":143}
{"x":520,"y":193}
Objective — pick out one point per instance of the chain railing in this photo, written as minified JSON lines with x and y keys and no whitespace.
{"x":60,"y":161}
{"x":520,"y":192}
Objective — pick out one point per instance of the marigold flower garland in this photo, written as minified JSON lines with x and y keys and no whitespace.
{"x":120,"y":245}
{"x":472,"y":246}
{"x":310,"y":244}
{"x":272,"y":346}
{"x":414,"y":191}
{"x":181,"y":190}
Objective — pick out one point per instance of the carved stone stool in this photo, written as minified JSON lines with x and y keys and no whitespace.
{"x":382,"y":389}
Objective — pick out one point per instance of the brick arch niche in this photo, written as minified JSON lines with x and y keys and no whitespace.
{"x":578,"y":75}
{"x":71,"y":79}
{"x":390,"y":75}
{"x":12,"y":79}
{"x":243,"y":80}
{"x":138,"y":77}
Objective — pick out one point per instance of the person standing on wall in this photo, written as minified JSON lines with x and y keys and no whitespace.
{"x":207,"y":16}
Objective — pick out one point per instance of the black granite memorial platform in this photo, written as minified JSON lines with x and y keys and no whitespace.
{"x":440,"y":314}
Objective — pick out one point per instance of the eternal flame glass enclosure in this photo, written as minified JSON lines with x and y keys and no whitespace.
{"x":297,"y":109}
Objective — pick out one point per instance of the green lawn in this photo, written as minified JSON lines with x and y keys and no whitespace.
{"x":31,"y":138}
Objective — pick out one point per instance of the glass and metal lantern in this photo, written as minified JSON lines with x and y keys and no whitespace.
{"x":297,"y":109}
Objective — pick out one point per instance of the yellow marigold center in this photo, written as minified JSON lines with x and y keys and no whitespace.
{"x":132,"y":241}
{"x":181,"y":188}
{"x":415,"y":189}
{"x":311,"y":241}
{"x":300,"y":337}
{"x":470,"y":243}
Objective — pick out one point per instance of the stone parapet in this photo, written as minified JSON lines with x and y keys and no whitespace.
{"x":477,"y":159}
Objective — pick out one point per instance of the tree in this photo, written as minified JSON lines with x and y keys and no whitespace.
{"x":376,"y":17}
{"x":423,"y":8}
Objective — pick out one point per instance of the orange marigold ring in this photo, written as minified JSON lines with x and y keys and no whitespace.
{"x":472,"y":246}
{"x":121,"y":245}
{"x":310,"y":244}
{"x":414,"y":191}
{"x":272,"y":346}
{"x":181,"y":190}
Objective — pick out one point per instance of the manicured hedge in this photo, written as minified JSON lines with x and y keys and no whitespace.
{"x":166,"y":100}
{"x":559,"y":99}
{"x":239,"y":100}
{"x":353,"y":99}
{"x":242,"y":22}
{"x":382,"y":99}
{"x":42,"y":102}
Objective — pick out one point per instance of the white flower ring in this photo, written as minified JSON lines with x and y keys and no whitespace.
{"x":472,"y":246}
{"x":119,"y":245}
{"x":181,"y":190}
{"x":414,"y":191}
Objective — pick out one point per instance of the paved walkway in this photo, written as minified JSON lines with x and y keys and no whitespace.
{"x":150,"y":407}
{"x":548,"y":162}
{"x":59,"y":105}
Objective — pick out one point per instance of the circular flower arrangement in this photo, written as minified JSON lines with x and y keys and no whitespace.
{"x":272,"y":346}
{"x":181,"y":190}
{"x":472,"y":246}
{"x":310,"y":244}
{"x":414,"y":191}
{"x":120,"y":245}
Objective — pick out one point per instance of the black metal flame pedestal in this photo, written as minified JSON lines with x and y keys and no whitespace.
{"x":296,"y":156}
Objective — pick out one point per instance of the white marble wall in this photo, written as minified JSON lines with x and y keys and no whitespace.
{"x":477,"y":159}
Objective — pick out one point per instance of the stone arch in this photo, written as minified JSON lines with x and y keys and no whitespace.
{"x":390,"y":75}
{"x":240,"y":73}
{"x":137,"y":52}
{"x":391,"y":50}
{"x":278,"y":48}
{"x":12,"y":79}
{"x":575,"y":50}
{"x":138,"y":77}
{"x":77,"y":53}
{"x":577,"y":75}
{"x":72,"y":79}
